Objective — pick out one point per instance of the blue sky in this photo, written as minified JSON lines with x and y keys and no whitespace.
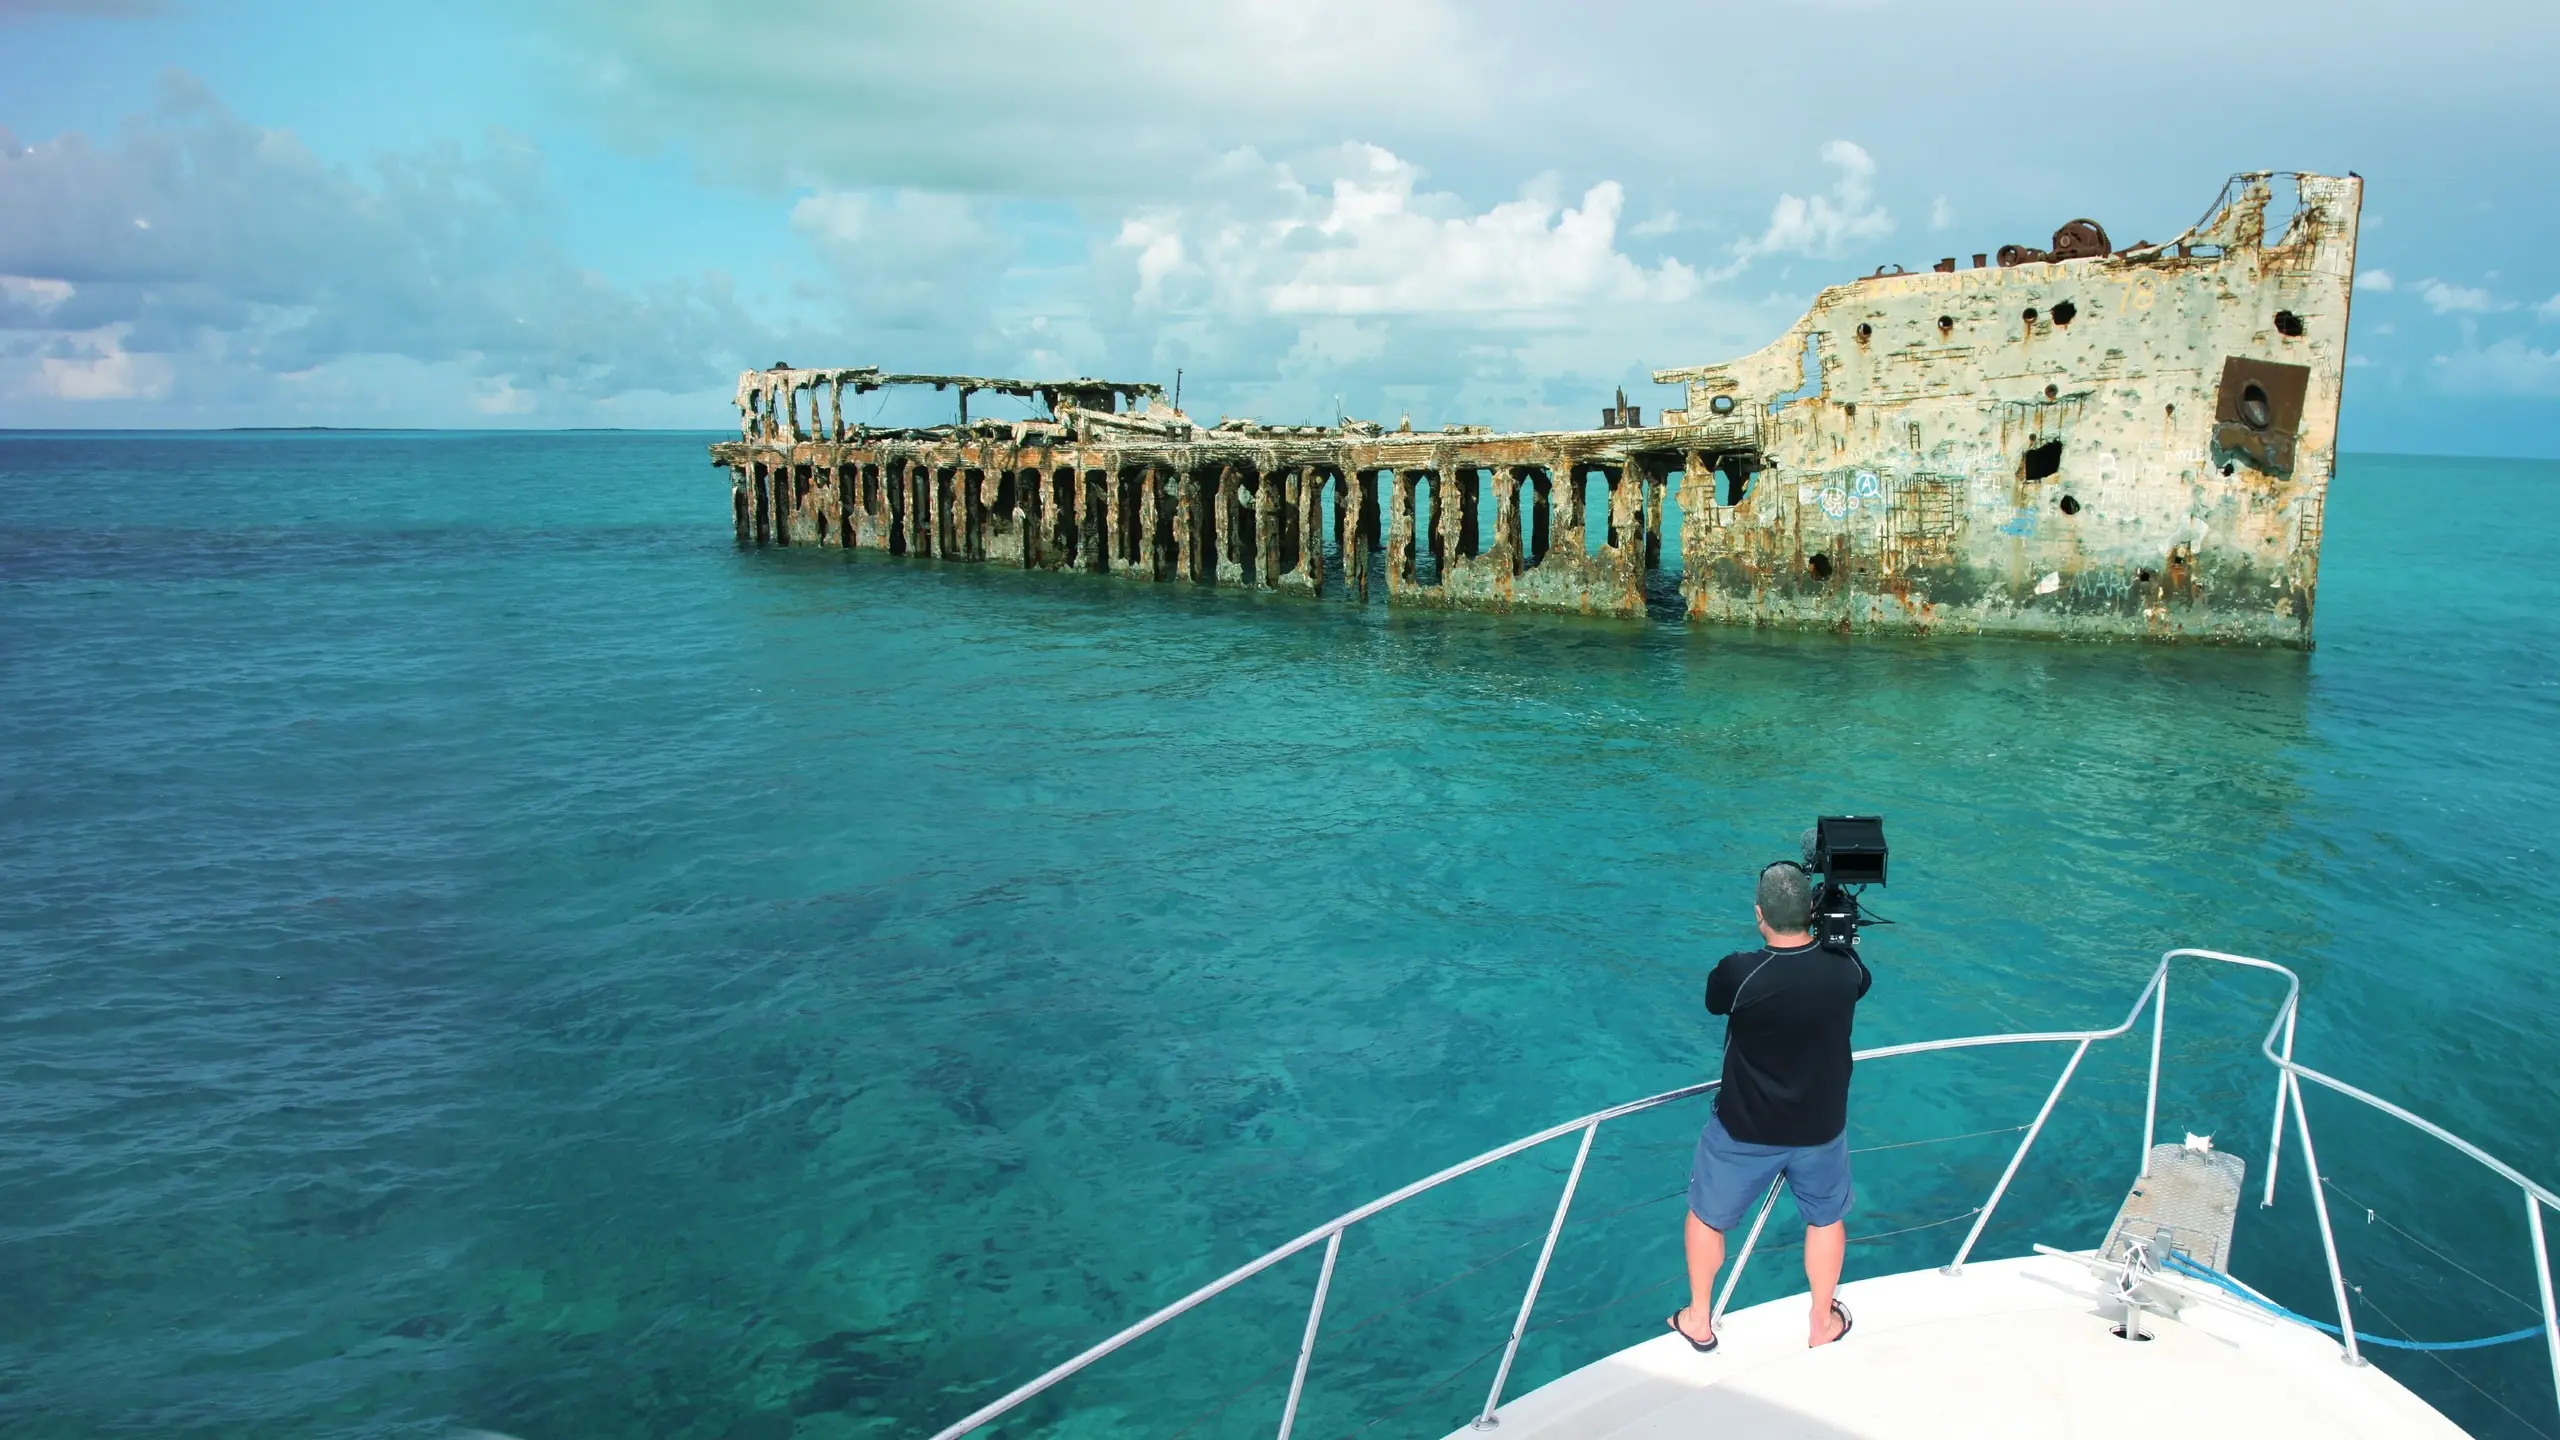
{"x":567,"y":212}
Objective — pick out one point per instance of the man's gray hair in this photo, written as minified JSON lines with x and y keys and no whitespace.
{"x":1785,"y":897}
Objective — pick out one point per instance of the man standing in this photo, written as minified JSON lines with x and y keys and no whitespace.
{"x":1783,"y":1109}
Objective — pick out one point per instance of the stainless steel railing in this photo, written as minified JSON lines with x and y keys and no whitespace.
{"x":2154,"y":994}
{"x":2289,"y":1078}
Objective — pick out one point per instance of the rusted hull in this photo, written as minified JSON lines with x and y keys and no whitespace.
{"x":2128,"y":445}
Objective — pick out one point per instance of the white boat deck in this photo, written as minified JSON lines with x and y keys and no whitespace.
{"x":2013,"y":1347}
{"x":2008,"y":1348}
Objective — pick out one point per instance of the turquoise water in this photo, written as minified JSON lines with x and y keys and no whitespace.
{"x":477,"y":949}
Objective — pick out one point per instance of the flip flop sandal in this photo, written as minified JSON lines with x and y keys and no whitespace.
{"x":1846,"y":1323}
{"x":1673,"y":1320}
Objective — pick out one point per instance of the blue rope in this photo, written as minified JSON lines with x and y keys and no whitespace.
{"x":2185,"y":1266}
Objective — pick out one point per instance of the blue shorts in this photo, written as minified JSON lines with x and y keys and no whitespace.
{"x":1727,"y":1177}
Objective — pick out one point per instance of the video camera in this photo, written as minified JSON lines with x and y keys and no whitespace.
{"x":1847,"y":854}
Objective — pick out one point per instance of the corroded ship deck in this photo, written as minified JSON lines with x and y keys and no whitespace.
{"x":2080,"y":441}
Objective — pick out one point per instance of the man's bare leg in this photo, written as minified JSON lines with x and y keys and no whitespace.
{"x":1825,"y":1247}
{"x":1705,"y":1249}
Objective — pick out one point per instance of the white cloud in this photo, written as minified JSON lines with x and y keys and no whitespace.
{"x":1387,"y":255}
{"x":1941,"y":214}
{"x":2377,"y":281}
{"x":34,"y":293}
{"x":259,"y":261}
{"x":915,"y":220}
{"x":1158,"y":241}
{"x":98,"y":367}
{"x":1662,"y":224}
{"x":271,"y":284}
{"x":2510,"y":368}
{"x":911,"y":259}
{"x":1280,"y":286}
{"x":1823,"y":225}
{"x":2447,"y":299}
{"x":999,"y":96}
{"x":1374,"y":243}
{"x":1333,"y":343}
{"x":497,"y":397}
{"x":2549,"y":309}
{"x":1119,"y":111}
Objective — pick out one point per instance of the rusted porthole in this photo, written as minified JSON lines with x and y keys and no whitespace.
{"x":1866,"y":332}
{"x":1722,"y":404}
{"x":2064,"y":312}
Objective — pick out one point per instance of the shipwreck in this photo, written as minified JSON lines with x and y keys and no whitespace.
{"x":2077,"y":441}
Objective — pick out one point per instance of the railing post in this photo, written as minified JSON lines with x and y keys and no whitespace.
{"x":1537,"y":1277}
{"x":1307,"y":1344}
{"x":1983,"y":1220}
{"x":2542,"y":1274}
{"x":2151,"y":1097}
{"x":2275,"y":1136}
{"x":2320,"y":1207}
{"x":1733,"y":1281}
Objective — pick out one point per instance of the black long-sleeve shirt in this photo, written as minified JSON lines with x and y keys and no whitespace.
{"x":1786,"y":1049}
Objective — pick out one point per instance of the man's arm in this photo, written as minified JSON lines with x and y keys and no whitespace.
{"x":1866,"y":977}
{"x":1720,"y":987}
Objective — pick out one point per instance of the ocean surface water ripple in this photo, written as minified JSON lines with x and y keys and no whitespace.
{"x":479,"y":950}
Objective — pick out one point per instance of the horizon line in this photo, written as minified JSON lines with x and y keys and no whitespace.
{"x":145,"y":431}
